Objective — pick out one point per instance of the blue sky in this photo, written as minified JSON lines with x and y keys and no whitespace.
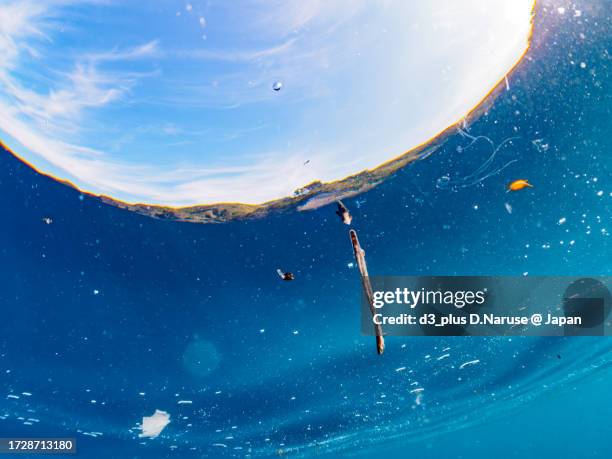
{"x":171,"y":102}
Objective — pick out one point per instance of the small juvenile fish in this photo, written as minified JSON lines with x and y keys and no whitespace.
{"x":344,"y":214}
{"x":519,"y":185}
{"x":286,"y":276}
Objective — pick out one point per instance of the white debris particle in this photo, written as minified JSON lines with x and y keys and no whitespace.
{"x":583,"y":65}
{"x":577,"y":13}
{"x":508,"y":207}
{"x":600,"y":193}
{"x":561,"y":10}
{"x":443,"y":356}
{"x":562,"y":220}
{"x":184,"y":402}
{"x":220,"y":445}
{"x":418,"y":389}
{"x":471,"y":362}
{"x":540,"y":145}
{"x":400,"y":369}
{"x":27,"y":394}
{"x":16,"y":397}
{"x":153,"y":425}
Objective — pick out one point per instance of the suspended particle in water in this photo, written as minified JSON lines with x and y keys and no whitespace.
{"x":540,"y":145}
{"x":443,"y":183}
{"x":508,"y":207}
{"x":277,"y":86}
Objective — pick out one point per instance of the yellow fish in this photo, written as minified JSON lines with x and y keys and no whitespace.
{"x":519,"y":185}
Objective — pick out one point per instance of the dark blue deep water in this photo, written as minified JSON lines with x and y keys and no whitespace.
{"x":108,"y":315}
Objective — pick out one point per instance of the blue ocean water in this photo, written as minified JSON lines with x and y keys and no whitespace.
{"x":109,"y":315}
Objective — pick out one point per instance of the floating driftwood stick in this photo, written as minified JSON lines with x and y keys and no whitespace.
{"x":367,"y":287}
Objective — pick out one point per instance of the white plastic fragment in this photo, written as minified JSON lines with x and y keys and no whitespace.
{"x":471,"y":362}
{"x":153,"y":425}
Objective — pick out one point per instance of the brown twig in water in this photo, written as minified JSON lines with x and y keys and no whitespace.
{"x":367,"y":287}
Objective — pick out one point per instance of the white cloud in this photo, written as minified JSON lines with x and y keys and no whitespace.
{"x":17,"y":20}
{"x":146,"y":50}
{"x":237,"y":55}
